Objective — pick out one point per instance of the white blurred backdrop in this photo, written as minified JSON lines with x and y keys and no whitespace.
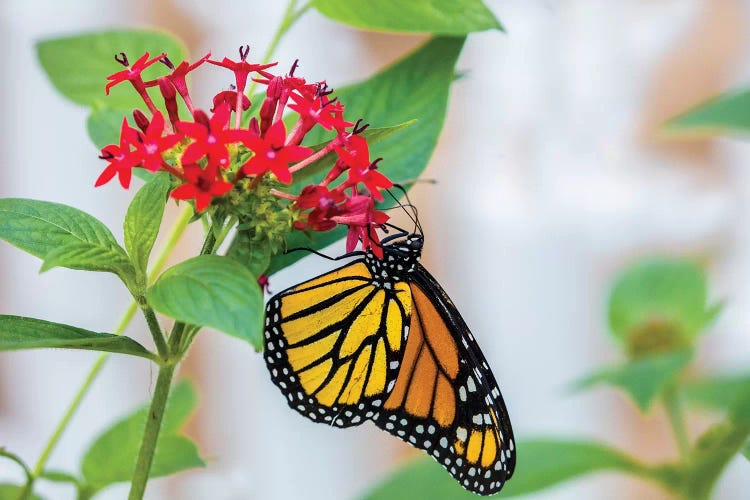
{"x":550,"y":179}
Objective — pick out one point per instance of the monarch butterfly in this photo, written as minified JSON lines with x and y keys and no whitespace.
{"x":379,"y":339}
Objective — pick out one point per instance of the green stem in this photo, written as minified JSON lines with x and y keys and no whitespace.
{"x":675,"y":411}
{"x":287,"y":21}
{"x":155,"y":329}
{"x":174,"y":236}
{"x":175,"y":351}
{"x":151,"y":434}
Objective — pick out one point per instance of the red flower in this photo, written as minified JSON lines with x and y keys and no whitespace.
{"x":201,"y":186}
{"x":230,"y":97}
{"x":242,"y":68}
{"x":329,"y":114}
{"x":363,"y":221}
{"x":210,"y":138}
{"x":121,"y":159}
{"x":132,"y":73}
{"x":177,"y":77}
{"x":361,"y":169}
{"x":151,"y":144}
{"x":324,"y":204}
{"x":270,"y":152}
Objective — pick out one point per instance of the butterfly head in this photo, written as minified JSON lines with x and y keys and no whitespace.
{"x":400,"y":257}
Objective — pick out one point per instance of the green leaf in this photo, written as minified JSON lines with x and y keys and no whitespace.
{"x":543,"y":463}
{"x":79,"y":65}
{"x":660,"y":304}
{"x":457,"y":17}
{"x":103,"y":126}
{"x":214,"y":291}
{"x":644,"y":378}
{"x":58,"y":476}
{"x":18,"y":333}
{"x":718,"y":392}
{"x":725,"y":114}
{"x":87,"y":256}
{"x":13,"y":492}
{"x":112,"y":457}
{"x":415,"y":87}
{"x":143,"y":219}
{"x":746,"y":451}
{"x":62,"y":236}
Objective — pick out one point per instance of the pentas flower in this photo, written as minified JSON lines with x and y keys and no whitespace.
{"x":202,"y":186}
{"x":242,"y":68}
{"x":270,"y":154}
{"x":363,"y":221}
{"x":153,"y":143}
{"x":132,"y":73}
{"x":229,"y":97}
{"x":210,"y":137}
{"x":320,"y":110}
{"x":223,"y":168}
{"x":121,"y":158}
{"x":178,"y":77}
{"x":324,"y":204}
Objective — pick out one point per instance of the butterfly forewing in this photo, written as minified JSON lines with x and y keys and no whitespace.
{"x":331,"y":342}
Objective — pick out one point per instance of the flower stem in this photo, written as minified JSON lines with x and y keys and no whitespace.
{"x":174,"y":236}
{"x":156,"y":332}
{"x":673,"y":405}
{"x":151,"y":434}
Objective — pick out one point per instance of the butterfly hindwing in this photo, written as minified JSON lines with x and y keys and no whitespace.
{"x":331,"y":342}
{"x":445,"y":399}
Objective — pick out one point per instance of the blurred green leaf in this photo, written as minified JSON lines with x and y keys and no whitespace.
{"x":746,"y":451}
{"x":143,"y":219}
{"x":457,"y":17}
{"x":78,"y":65}
{"x":739,"y":412}
{"x":660,"y":305}
{"x":643,"y":379}
{"x":542,"y":463}
{"x":112,"y":457}
{"x":725,"y":114}
{"x":717,"y":392}
{"x":58,"y":476}
{"x":214,"y":291}
{"x":18,"y":333}
{"x":13,"y":492}
{"x":415,"y":87}
{"x":103,"y":126}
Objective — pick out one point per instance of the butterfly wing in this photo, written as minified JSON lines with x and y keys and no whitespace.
{"x":331,"y":343}
{"x":445,"y":399}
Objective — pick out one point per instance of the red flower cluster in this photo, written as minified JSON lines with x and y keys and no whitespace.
{"x":211,"y":154}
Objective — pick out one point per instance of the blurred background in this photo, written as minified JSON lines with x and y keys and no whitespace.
{"x":550,"y":178}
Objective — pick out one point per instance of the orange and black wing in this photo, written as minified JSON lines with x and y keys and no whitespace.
{"x":333,"y":344}
{"x":445,"y":399}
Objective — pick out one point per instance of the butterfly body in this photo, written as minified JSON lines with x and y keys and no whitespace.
{"x":379,"y":339}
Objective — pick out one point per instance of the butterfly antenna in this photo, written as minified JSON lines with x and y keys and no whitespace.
{"x":414,"y":215}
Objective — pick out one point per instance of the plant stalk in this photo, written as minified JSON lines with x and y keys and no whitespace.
{"x":156,"y":332}
{"x":174,"y":236}
{"x":675,"y":412}
{"x":151,"y":434}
